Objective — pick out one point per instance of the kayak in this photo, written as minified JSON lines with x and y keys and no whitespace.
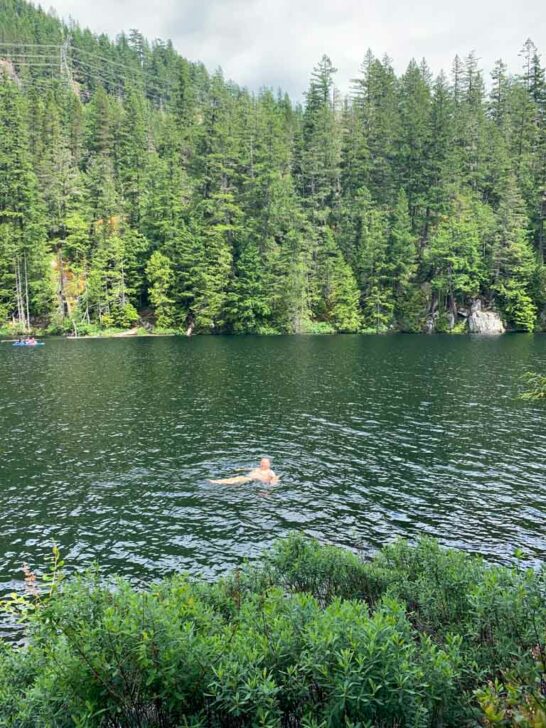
{"x":24,"y":343}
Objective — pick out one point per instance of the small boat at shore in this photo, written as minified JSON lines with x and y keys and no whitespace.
{"x":28,"y":342}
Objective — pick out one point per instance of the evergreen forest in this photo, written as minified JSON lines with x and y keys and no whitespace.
{"x":140,"y":189}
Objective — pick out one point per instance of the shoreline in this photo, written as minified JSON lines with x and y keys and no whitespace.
{"x":6,"y":338}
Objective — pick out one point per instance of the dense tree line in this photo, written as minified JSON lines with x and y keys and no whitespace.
{"x":135,"y":183}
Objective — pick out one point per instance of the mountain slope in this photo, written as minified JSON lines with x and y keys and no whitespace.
{"x":137,"y":183}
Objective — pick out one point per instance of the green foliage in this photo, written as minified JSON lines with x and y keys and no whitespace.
{"x":160,"y":275}
{"x":314,"y":636}
{"x":395,"y":206}
{"x":454,"y":254}
{"x":249,"y":307}
{"x":536,"y":386}
{"x":517,"y":700}
{"x":24,"y":282}
{"x":514,"y":261}
{"x":337,"y":294}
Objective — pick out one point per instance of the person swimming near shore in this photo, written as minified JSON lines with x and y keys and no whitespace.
{"x":262,"y":473}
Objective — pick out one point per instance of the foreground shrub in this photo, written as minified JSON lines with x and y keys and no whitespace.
{"x":518,"y":699}
{"x":314,"y":636}
{"x":499,"y":612}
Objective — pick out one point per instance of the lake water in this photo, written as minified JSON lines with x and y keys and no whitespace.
{"x":106,"y":447}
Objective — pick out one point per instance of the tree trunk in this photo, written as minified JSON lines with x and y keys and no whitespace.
{"x":27,"y":305}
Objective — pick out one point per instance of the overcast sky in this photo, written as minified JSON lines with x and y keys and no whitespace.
{"x":277,"y":42}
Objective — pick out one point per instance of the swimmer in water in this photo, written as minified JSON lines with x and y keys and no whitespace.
{"x":263,"y":473}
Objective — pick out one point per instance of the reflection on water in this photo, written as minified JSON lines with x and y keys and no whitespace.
{"x":106,"y":447}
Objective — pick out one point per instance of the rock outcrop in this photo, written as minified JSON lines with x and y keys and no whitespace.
{"x":484,"y":322}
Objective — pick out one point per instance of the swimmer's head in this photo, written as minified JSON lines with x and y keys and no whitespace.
{"x":265,"y":464}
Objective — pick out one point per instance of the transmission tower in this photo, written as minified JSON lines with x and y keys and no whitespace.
{"x":64,"y":65}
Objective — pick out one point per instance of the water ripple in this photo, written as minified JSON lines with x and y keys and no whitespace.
{"x":106,"y":448}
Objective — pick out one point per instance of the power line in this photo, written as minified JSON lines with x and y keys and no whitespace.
{"x":81,"y":65}
{"x":4,"y":44}
{"x":72,"y":61}
{"x":146,"y":75}
{"x":74,"y":49}
{"x":102,"y":58}
{"x":21,"y":58}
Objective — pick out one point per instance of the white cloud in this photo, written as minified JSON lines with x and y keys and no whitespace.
{"x":277,"y":42}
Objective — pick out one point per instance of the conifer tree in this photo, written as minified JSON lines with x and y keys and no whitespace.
{"x":402,"y":264}
{"x":454,"y":256}
{"x":132,"y":155}
{"x":373,"y":269}
{"x":248,"y":304}
{"x":320,"y":156}
{"x":376,"y":99}
{"x":513,"y":261}
{"x":415,"y":139}
{"x":25,"y":287}
{"x":160,"y":275}
{"x":337,"y":299}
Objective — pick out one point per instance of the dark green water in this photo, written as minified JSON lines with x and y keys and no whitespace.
{"x":106,"y":447}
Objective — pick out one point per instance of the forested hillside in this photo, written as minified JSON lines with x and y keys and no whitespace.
{"x":135,"y":183}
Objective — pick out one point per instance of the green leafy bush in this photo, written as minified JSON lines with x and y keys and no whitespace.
{"x":313,"y":636}
{"x":536,"y":386}
{"x":518,"y":699}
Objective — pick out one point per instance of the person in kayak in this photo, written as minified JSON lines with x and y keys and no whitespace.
{"x":263,"y":473}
